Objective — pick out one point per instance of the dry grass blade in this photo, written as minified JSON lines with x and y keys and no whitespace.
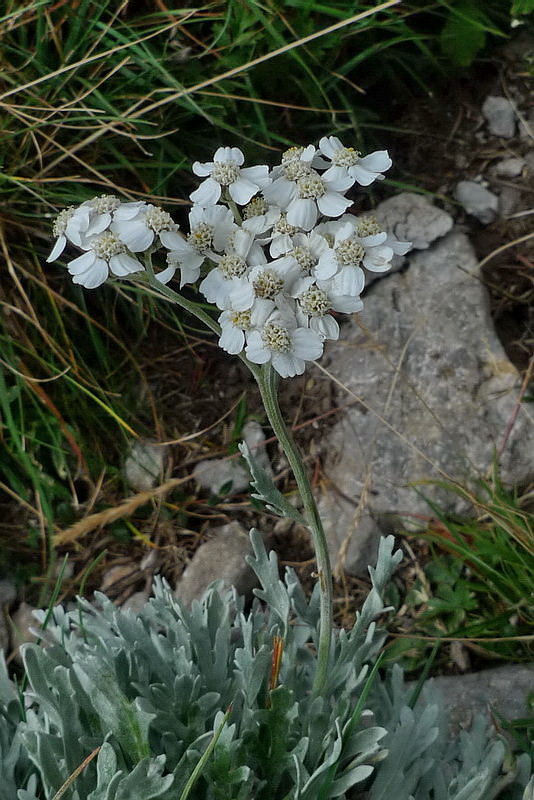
{"x":70,"y":780}
{"x":126,"y":509}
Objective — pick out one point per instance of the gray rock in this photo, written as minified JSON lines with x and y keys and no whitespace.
{"x":500,"y":115}
{"x":439,"y":393}
{"x":23,"y":625}
{"x":477,"y":201}
{"x":220,"y":558}
{"x":216,"y":474}
{"x":144,"y":466}
{"x":413,"y":218}
{"x":503,"y":689}
{"x":510,"y":167}
{"x":509,"y":200}
{"x":7,"y":595}
{"x":255,"y":440}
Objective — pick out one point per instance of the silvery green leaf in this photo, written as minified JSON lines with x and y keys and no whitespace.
{"x":266,"y":491}
{"x":273,"y":591}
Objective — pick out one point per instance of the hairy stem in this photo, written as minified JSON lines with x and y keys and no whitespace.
{"x":267,"y":383}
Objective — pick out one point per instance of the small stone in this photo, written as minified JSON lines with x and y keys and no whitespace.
{"x":220,"y":558}
{"x":136,"y":602}
{"x":144,"y":466}
{"x":116,"y":574}
{"x":21,"y":623}
{"x":254,"y":438}
{"x":413,"y":218}
{"x":510,"y":167}
{"x":477,"y":201}
{"x":218,"y":474}
{"x":500,"y":115}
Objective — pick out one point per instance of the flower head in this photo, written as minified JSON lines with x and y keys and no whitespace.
{"x":225,"y":172}
{"x":348,"y":161}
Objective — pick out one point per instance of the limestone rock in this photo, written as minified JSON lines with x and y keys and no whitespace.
{"x":437,"y":392}
{"x":220,"y":558}
{"x":500,"y":116}
{"x":218,"y":474}
{"x":477,"y":201}
{"x":413,"y":218}
{"x":510,"y":167}
{"x":504,"y":689}
{"x":144,"y":466}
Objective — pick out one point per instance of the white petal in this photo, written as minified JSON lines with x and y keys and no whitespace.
{"x":129,"y":210}
{"x":333,"y":204}
{"x":203,"y":170}
{"x":345,"y":304}
{"x":232,"y":339}
{"x":256,"y":350}
{"x":302,"y":213}
{"x":341,"y":184}
{"x":81,"y":263}
{"x":288,"y":364}
{"x":329,"y":145}
{"x":98,"y":224}
{"x":280,"y":245}
{"x":213,"y":286}
{"x":307,"y":344}
{"x":349,"y":281}
{"x":166,"y":274}
{"x":258,"y":175}
{"x":236,"y":155}
{"x":57,"y":249}
{"x":207,"y":194}
{"x":327,"y":265}
{"x":173,"y":241}
{"x":240,"y":295}
{"x":95,"y":276}
{"x":242,"y":190}
{"x":135,"y":235}
{"x":280,"y":192}
{"x":325,"y":326}
{"x":189,"y":273}
{"x":260,"y":311}
{"x":362,"y":175}
{"x":123,"y":264}
{"x":379,"y":161}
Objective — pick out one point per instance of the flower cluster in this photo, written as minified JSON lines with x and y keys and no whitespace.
{"x":275,"y":250}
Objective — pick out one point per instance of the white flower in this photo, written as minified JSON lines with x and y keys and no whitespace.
{"x":285,"y":344}
{"x":235,"y":325}
{"x":346,"y":250}
{"x":310,"y":194}
{"x":348,"y":161}
{"x":307,"y":250}
{"x":226,"y":285}
{"x":259,"y":216}
{"x":59,"y":230}
{"x":137,"y":224}
{"x":211,"y":229}
{"x":104,"y":253}
{"x":78,"y":224}
{"x":280,"y":238}
{"x":225,"y":171}
{"x":276,"y":278}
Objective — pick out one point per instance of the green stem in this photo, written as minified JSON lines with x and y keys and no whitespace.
{"x":267,"y":382}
